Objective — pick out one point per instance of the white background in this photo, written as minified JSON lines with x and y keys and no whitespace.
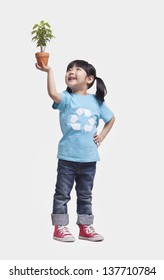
{"x":124,"y":41}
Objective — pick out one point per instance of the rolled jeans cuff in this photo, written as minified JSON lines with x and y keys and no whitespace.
{"x":85,"y":219}
{"x":60,"y":219}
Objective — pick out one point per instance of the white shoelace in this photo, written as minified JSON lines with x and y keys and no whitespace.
{"x":90,"y":229}
{"x":64,"y":230}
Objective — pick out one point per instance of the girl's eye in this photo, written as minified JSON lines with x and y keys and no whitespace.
{"x":78,"y":69}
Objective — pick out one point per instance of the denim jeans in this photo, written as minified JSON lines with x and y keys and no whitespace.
{"x":82,"y":174}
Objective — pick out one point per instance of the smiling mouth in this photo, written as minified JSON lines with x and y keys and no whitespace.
{"x":71,"y":78}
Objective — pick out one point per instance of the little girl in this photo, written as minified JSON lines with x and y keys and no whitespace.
{"x":80,"y":113}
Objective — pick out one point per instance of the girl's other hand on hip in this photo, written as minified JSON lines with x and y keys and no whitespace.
{"x":98,"y":138}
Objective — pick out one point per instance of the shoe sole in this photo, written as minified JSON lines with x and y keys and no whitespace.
{"x":64,"y":239}
{"x":93,"y":239}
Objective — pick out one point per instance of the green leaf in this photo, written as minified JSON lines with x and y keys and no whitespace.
{"x":36,"y":25}
{"x":33,"y":31}
{"x":34,"y":38}
{"x":47,"y":24}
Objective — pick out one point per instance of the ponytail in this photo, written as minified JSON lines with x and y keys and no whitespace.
{"x":101,"y":90}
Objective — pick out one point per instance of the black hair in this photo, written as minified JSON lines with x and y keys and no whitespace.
{"x":101,"y":90}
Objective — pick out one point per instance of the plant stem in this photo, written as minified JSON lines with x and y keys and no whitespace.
{"x":42,"y":48}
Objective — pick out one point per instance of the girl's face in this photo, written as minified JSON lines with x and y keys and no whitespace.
{"x":77,"y":80}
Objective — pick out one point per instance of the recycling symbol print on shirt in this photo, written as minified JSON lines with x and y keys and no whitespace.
{"x":82,"y":120}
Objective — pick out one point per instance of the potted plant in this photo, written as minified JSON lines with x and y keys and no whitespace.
{"x":42,"y":34}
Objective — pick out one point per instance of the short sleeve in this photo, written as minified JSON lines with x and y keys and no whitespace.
{"x":105,"y":113}
{"x":65,"y":96}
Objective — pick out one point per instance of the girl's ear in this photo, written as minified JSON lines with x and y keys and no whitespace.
{"x":90,"y":79}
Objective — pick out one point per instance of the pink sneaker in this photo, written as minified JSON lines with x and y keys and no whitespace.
{"x":87,"y":232}
{"x":61,"y":233}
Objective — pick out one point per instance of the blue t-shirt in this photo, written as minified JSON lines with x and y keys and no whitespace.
{"x":79,"y":119}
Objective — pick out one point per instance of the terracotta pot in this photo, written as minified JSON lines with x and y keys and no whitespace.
{"x":42,"y":57}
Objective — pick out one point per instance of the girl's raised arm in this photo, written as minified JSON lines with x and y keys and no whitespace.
{"x":51,"y":87}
